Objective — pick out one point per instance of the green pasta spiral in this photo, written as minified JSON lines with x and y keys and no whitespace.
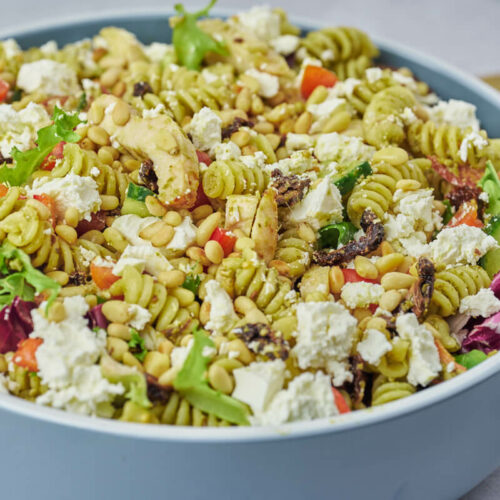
{"x":332,"y":45}
{"x":295,"y":252}
{"x":385,"y":391}
{"x":382,"y":119}
{"x":352,"y":68}
{"x":452,"y":285}
{"x":443,"y":141}
{"x":225,"y":177}
{"x":376,"y":191}
{"x":142,"y":289}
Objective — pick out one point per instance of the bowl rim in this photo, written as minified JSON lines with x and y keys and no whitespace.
{"x":354,"y":420}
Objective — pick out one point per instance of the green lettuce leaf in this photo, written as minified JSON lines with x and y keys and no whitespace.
{"x":26,"y":162}
{"x":490,"y":183}
{"x":21,"y":279}
{"x":191,"y":383}
{"x":137,"y":346}
{"x":190,"y":42}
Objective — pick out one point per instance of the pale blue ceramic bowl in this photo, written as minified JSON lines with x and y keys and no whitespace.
{"x":436,"y":444}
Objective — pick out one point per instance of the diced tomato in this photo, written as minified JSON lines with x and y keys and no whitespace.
{"x":103,"y":276}
{"x":56,"y":154}
{"x":50,"y":203}
{"x":314,"y":76}
{"x":373,"y":308}
{"x":225,"y":238}
{"x":3,"y":190}
{"x":201,"y":197}
{"x":25,"y":354}
{"x":97,"y":222}
{"x":203,"y":157}
{"x":4,"y":89}
{"x":351,"y":276}
{"x":467,"y":214}
{"x":340,"y":402}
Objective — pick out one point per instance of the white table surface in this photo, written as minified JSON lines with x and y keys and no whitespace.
{"x":463,"y":32}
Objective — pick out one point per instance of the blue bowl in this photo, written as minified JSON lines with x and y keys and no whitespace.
{"x":437,"y":444}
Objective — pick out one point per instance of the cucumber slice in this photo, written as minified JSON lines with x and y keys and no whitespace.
{"x":138,"y":193}
{"x":346,"y":182}
{"x":491,"y":261}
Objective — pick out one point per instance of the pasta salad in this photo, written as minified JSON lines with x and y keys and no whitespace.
{"x":248,"y":226}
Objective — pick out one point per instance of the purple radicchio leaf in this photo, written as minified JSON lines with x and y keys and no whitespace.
{"x":485,"y":336}
{"x":15,"y":324}
{"x":495,"y":285}
{"x":96,"y":318}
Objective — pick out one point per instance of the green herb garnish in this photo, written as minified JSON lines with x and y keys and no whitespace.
{"x":21,"y":279}
{"x":190,"y":42}
{"x":192,"y":282}
{"x":490,"y":184}
{"x":191,"y":383}
{"x":138,"y":346}
{"x":26,"y":162}
{"x":82,"y":103}
{"x":448,"y":213}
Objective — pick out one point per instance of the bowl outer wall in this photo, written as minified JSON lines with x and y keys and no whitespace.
{"x":440,"y":450}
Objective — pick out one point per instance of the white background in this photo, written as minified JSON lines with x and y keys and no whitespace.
{"x":465,"y":33}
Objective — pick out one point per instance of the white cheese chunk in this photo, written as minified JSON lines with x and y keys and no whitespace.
{"x":226,"y":151}
{"x":321,"y":205}
{"x":67,"y":362}
{"x":263,"y":22}
{"x":373,"y":346}
{"x":19,"y":128}
{"x":285,"y":44}
{"x":470,"y":141}
{"x":268,"y":84}
{"x":258,"y":383}
{"x":184,"y":235}
{"x":461,"y":244}
{"x":345,"y":150}
{"x":361,"y":294}
{"x":298,"y":163}
{"x":48,"y":77}
{"x":143,"y":258}
{"x":205,"y":129}
{"x":158,"y":52}
{"x":10,"y":48}
{"x":325,"y":332}
{"x":140,"y":316}
{"x":131,"y":225}
{"x":70,"y":191}
{"x":222,"y":315}
{"x":483,"y":303}
{"x":424,"y":357}
{"x":373,"y":74}
{"x":296,"y":142}
{"x":308,"y":396}
{"x":323,"y":111}
{"x":454,"y":112}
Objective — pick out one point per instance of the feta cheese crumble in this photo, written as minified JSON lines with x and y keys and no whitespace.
{"x":67,"y":362}
{"x":321,"y":205}
{"x":424,"y":357}
{"x":361,"y":294}
{"x":257,"y":383}
{"x":140,"y":316}
{"x":456,"y":113}
{"x":262,"y":22}
{"x":285,"y":44}
{"x":70,"y":191}
{"x":373,"y":346}
{"x":205,"y":129}
{"x":324,"y":336}
{"x":222,"y":316}
{"x":144,"y":258}
{"x":19,"y":128}
{"x":184,"y":235}
{"x":484,"y":304}
{"x":342,"y":149}
{"x":308,"y":396}
{"x":471,"y":140}
{"x":269,"y":85}
{"x":48,"y":77}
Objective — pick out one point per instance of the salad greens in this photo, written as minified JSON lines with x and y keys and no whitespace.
{"x":331,"y":235}
{"x":26,"y":162}
{"x":138,"y":346}
{"x":490,"y":184}
{"x":192,"y":282}
{"x":346,"y":182}
{"x":190,"y":42}
{"x":21,"y":279}
{"x":471,"y":359}
{"x":192,"y":384}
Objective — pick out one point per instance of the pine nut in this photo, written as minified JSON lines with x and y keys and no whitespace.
{"x":274,"y":140}
{"x":376,"y":324}
{"x":303,"y":123}
{"x":109,"y":202}
{"x":408,"y":185}
{"x":365,"y":267}
{"x":166,"y":347}
{"x":390,"y":300}
{"x":173,"y":218}
{"x":120,"y":331}
{"x":120,"y":113}
{"x":241,"y":138}
{"x":386,"y":248}
{"x":243,"y":100}
{"x":154,"y":206}
{"x":183,"y":295}
{"x":306,"y":232}
{"x":172,"y":279}
{"x":186,"y":340}
{"x":287,"y":126}
{"x":169,"y":376}
{"x":244,"y":242}
{"x":361,"y":312}
{"x":207,"y":227}
{"x":220,"y":380}
{"x":56,"y":312}
{"x":439,"y":206}
{"x":397,"y":281}
{"x":201,"y":212}
{"x":163,"y":236}
{"x":119,"y":88}
{"x":198,"y":254}
{"x":94,"y":236}
{"x":404,"y":267}
{"x":214,"y":251}
{"x":110,"y":76}
{"x":156,"y":363}
{"x":337,"y":123}
{"x":244,"y":355}
{"x":116,"y":311}
{"x":389,"y":262}
{"x":244,"y":305}
{"x":130,"y":360}
{"x":116,"y":347}
{"x":336,"y":279}
{"x":98,"y":135}
{"x":392,"y":155}
{"x":91,"y":300}
{"x":96,"y":114}
{"x":264,"y":128}
{"x":256,"y":316}
{"x":204,"y":313}
{"x":72,"y":216}
{"x":67,"y":233}
{"x":59,"y":277}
